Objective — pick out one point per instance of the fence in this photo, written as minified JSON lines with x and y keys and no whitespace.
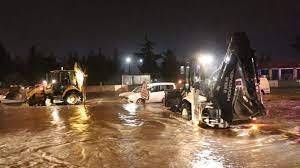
{"x":135,"y":79}
{"x":105,"y":88}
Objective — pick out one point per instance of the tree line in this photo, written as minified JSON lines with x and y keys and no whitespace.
{"x":32,"y":67}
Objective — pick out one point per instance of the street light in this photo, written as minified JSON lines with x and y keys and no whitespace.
{"x":205,"y":59}
{"x":128,"y":61}
{"x":141,"y":60}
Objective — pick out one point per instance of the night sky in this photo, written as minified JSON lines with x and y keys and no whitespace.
{"x":185,"y":26}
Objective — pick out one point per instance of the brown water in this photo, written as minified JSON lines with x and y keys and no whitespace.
{"x":112,"y":134}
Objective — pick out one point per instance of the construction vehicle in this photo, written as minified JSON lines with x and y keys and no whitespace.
{"x":60,"y":87}
{"x":217,"y":102}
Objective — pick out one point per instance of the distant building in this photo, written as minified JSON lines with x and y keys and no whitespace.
{"x":281,"y":71}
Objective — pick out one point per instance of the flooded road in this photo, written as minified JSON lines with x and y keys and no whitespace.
{"x":114,"y":134}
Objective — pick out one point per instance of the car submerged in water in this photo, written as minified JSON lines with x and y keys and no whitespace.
{"x":156,"y":93}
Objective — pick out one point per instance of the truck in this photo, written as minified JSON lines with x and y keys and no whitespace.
{"x":217,"y":102}
{"x":60,"y":87}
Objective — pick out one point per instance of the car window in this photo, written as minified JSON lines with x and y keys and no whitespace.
{"x":169,"y":87}
{"x":155,"y":89}
{"x":166,"y":87}
{"x":137,"y":89}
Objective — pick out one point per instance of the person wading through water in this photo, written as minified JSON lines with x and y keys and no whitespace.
{"x":144,"y":92}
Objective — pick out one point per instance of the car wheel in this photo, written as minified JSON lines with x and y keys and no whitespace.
{"x":72,"y":99}
{"x":186,"y":111}
{"x":140,"y":101}
{"x":202,"y":124}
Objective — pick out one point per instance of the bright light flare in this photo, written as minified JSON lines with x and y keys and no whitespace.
{"x":227,"y":59}
{"x":180,"y":81}
{"x":44,"y":83}
{"x":128,"y":60}
{"x":140,"y":60}
{"x":79,"y":77}
{"x":254,"y":130}
{"x":205,"y":59}
{"x":254,"y":127}
{"x":53,"y":81}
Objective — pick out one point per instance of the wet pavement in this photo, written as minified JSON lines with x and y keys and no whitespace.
{"x":109,"y":133}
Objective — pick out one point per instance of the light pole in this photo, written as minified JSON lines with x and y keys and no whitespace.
{"x":128,"y":61}
{"x":204,"y":61}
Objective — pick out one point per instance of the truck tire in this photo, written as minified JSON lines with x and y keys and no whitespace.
{"x":140,"y":101}
{"x":32,"y":101}
{"x":203,"y":125}
{"x":36,"y":100}
{"x":72,"y":98}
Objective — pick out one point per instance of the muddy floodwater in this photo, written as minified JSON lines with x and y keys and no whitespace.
{"x":115,"y":134}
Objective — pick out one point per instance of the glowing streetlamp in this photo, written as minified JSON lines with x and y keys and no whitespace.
{"x":140,"y":60}
{"x":128,"y":61}
{"x":205,"y":59}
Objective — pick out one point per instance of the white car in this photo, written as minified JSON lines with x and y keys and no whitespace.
{"x":263,"y":85}
{"x":125,"y":94}
{"x":156,"y":93}
{"x":2,"y":97}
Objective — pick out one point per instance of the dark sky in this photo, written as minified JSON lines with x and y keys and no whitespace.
{"x":187,"y":26}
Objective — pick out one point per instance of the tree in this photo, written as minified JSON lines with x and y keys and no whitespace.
{"x":169,"y":66}
{"x":39,"y":64}
{"x":34,"y":65}
{"x":72,"y":58}
{"x":92,"y":67}
{"x":98,"y":67}
{"x":103,"y":66}
{"x":50,"y":62}
{"x":296,"y":43}
{"x":116,"y":62}
{"x":149,"y":58}
{"x":264,"y":59}
{"x":5,"y":63}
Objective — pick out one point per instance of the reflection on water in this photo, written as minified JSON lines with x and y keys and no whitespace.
{"x":55,"y":117}
{"x":130,"y":119}
{"x":114,"y":135}
{"x":131,"y":108}
{"x":207,"y":159}
{"x":80,"y":118}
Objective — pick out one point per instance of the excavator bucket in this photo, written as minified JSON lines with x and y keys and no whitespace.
{"x":15,"y":95}
{"x":239,"y":63}
{"x":81,"y":80}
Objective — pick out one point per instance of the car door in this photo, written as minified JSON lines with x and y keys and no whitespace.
{"x":161,"y":93}
{"x":154,"y":94}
